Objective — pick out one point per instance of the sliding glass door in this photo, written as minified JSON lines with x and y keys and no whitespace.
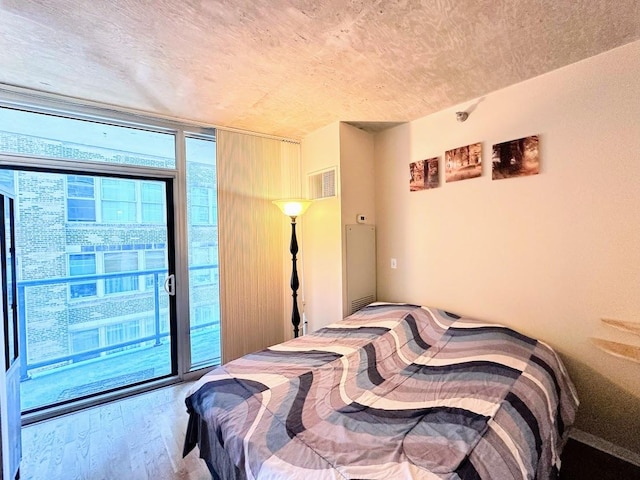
{"x":103,"y":201}
{"x":96,"y":270}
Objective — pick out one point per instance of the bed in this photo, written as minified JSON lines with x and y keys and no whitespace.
{"x":391,"y":392}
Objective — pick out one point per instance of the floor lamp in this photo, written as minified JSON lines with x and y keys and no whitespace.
{"x":293,"y":208}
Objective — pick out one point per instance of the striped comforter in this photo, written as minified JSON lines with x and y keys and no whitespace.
{"x":391,"y":392}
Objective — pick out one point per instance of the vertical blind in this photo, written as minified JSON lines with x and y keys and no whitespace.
{"x":252,"y":172}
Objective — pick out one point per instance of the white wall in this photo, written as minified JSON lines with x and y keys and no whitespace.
{"x":548,"y":254}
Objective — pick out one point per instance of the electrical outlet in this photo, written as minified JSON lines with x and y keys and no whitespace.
{"x":394,"y":263}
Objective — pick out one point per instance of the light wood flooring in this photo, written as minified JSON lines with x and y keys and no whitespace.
{"x":137,"y":438}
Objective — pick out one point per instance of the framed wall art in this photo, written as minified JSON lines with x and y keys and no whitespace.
{"x":463,"y":162}
{"x":424,"y":174}
{"x":516,"y":158}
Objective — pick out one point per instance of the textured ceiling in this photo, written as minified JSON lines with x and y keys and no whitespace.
{"x":290,"y":67}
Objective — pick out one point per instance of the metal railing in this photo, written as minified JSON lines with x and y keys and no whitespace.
{"x":157,"y":336}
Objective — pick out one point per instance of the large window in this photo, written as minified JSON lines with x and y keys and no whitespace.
{"x":204,"y":307}
{"x":96,"y":243}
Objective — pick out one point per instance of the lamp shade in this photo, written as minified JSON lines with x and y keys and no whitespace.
{"x":293,"y":207}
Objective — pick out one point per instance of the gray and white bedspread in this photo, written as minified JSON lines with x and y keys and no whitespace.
{"x":391,"y":392}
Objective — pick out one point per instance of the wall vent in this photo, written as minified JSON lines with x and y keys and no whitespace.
{"x":362,"y":302}
{"x":361,"y":267}
{"x":322,"y":184}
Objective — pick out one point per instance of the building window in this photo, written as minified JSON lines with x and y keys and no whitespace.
{"x":114,"y":334}
{"x":118,"y":201}
{"x":120,"y":333}
{"x":120,"y":262}
{"x":154,"y":260}
{"x":204,"y":314}
{"x":80,"y":265}
{"x":81,"y":204}
{"x":201,"y":256}
{"x":85,"y":340}
{"x":203,"y":208}
{"x":152,"y":203}
{"x":149,"y":325}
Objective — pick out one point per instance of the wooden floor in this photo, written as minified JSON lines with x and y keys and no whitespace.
{"x":140,"y":438}
{"x":137,"y":438}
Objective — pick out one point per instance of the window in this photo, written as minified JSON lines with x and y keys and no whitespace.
{"x":85,"y":340}
{"x":81,"y":204}
{"x":203,"y":209}
{"x":132,"y":330}
{"x":120,"y":333}
{"x":121,"y":262}
{"x":152,"y":203}
{"x":51,"y":136}
{"x":201,"y":256}
{"x":153,"y":260}
{"x":204,"y":315}
{"x":115,"y":334}
{"x":118,"y":201}
{"x":79,"y":265}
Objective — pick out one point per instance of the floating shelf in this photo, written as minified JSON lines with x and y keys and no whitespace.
{"x":621,"y":350}
{"x":630,"y":327}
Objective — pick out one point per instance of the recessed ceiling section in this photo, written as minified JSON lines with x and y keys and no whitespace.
{"x":288,"y":68}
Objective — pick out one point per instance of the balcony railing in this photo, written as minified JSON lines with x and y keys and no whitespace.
{"x":157,"y":336}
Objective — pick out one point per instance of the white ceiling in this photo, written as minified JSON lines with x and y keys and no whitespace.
{"x":288,"y":68}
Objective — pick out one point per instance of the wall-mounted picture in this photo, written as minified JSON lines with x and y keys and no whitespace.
{"x":516,"y":158}
{"x":424,"y":174}
{"x":463,"y":162}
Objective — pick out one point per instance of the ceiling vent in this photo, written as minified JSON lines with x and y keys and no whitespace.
{"x":323,"y":184}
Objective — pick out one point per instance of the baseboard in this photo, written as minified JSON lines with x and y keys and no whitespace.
{"x":605,"y":446}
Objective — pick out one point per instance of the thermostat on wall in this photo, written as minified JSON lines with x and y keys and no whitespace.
{"x":361,"y":218}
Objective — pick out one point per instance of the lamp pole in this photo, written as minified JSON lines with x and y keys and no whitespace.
{"x":295,"y":284}
{"x":293,"y":208}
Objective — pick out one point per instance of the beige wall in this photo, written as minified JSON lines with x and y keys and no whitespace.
{"x":324,"y":260}
{"x":321,"y":246}
{"x":357,"y":180}
{"x":548,"y":254}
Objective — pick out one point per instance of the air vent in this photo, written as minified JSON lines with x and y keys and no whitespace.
{"x":361,"y":303}
{"x":322,"y":184}
{"x":361,"y":266}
